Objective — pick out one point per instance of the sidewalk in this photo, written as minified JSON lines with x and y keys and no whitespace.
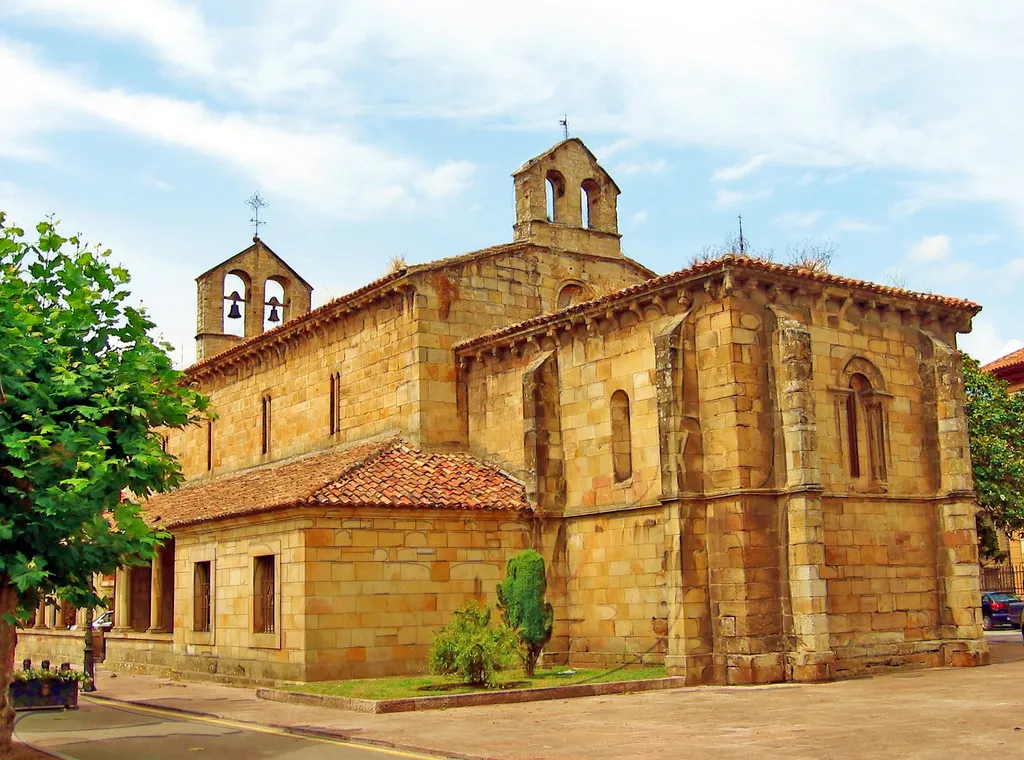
{"x":960,"y":713}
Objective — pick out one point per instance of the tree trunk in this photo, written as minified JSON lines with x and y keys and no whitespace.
{"x":8,"y":642}
{"x":530,"y":666}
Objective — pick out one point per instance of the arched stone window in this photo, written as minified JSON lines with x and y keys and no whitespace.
{"x":555,"y":191}
{"x":622,"y":444}
{"x":570,"y":294}
{"x":866,"y":437}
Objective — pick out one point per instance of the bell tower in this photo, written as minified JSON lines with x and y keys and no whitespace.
{"x":566,"y":200}
{"x":253,"y":291}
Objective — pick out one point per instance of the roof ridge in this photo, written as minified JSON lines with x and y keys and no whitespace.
{"x":371,"y":456}
{"x":1012,"y":359}
{"x":705,"y":267}
{"x":327,"y":308}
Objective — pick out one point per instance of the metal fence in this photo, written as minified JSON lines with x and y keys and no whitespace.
{"x":1003,"y":578}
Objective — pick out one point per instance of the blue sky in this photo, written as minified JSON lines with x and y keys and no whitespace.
{"x":389,"y":127}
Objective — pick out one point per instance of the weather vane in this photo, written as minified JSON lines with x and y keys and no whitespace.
{"x":564,"y":122}
{"x":255,"y":202}
{"x":742,"y":243}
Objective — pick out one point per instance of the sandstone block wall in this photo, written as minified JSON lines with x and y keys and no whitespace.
{"x":359,"y":592}
{"x":811,"y":447}
{"x":231,"y":650}
{"x":883,"y":586}
{"x":374,"y":354}
{"x":617,"y":610}
{"x":379,"y":584}
{"x":57,"y":646}
{"x":485,"y":294}
{"x":393,"y":357}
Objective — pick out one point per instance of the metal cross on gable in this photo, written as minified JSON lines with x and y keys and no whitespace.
{"x":255,"y":202}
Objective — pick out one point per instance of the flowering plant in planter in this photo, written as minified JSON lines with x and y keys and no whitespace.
{"x":45,"y":687}
{"x":49,"y":674}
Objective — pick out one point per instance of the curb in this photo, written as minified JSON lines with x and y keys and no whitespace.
{"x":310,"y":731}
{"x":472,"y":699}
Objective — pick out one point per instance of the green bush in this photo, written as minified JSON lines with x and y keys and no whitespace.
{"x":471,"y":649}
{"x":522,"y":605}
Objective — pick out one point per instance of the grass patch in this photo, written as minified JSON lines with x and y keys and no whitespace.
{"x":400,"y":687}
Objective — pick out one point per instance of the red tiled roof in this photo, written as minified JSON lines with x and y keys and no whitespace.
{"x":1012,"y":359}
{"x":696,"y":270}
{"x":385,"y":473}
{"x":405,"y":477}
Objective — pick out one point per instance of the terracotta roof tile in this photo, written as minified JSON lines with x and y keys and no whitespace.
{"x":386,"y":473}
{"x":1012,"y":359}
{"x":760,"y":265}
{"x":405,"y":477}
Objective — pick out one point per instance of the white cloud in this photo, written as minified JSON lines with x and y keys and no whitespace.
{"x":325,"y":166}
{"x":730,"y":173}
{"x":921,"y":86}
{"x":799,"y":218}
{"x":639,"y":217}
{"x":986,"y":342}
{"x":447,"y":180}
{"x":731,"y":198}
{"x":931,"y":248}
{"x":853,"y":225}
{"x":644,"y":167}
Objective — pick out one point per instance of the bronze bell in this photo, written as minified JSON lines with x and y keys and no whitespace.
{"x":234,"y":313}
{"x":273,"y":303}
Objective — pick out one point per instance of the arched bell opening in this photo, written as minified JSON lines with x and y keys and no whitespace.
{"x":236,"y":295}
{"x":274,"y":300}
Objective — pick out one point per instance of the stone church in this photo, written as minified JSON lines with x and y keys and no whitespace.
{"x":748,"y":472}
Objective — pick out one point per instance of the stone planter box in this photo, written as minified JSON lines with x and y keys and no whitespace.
{"x":44,"y":692}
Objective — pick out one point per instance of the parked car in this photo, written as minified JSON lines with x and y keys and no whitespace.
{"x":1000,"y":608}
{"x":105,"y":621}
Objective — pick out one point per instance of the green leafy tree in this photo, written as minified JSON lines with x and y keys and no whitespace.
{"x":995,"y":423}
{"x":471,"y":648}
{"x":522,"y":604}
{"x":84,"y":385}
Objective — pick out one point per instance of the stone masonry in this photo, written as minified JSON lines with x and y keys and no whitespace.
{"x":745,"y":471}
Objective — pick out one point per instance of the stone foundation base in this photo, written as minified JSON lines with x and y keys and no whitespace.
{"x":612,"y":659}
{"x":812,"y":666}
{"x":696,"y":669}
{"x":135,"y":652}
{"x":856,"y":661}
{"x":749,"y":669}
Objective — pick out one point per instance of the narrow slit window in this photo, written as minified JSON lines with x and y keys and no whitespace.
{"x":335,"y":402}
{"x":622,"y":445}
{"x":851,"y":435}
{"x":201,"y":591}
{"x":209,"y":445}
{"x":265,"y":426}
{"x":263,"y":595}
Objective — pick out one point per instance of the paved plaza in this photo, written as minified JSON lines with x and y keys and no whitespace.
{"x":948,"y":713}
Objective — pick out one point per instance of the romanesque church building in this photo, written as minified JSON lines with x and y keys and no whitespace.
{"x":748,"y":472}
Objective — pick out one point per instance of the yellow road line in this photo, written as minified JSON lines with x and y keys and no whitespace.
{"x":130,"y":706}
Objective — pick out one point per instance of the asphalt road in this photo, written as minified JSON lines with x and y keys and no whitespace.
{"x":101,"y":731}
